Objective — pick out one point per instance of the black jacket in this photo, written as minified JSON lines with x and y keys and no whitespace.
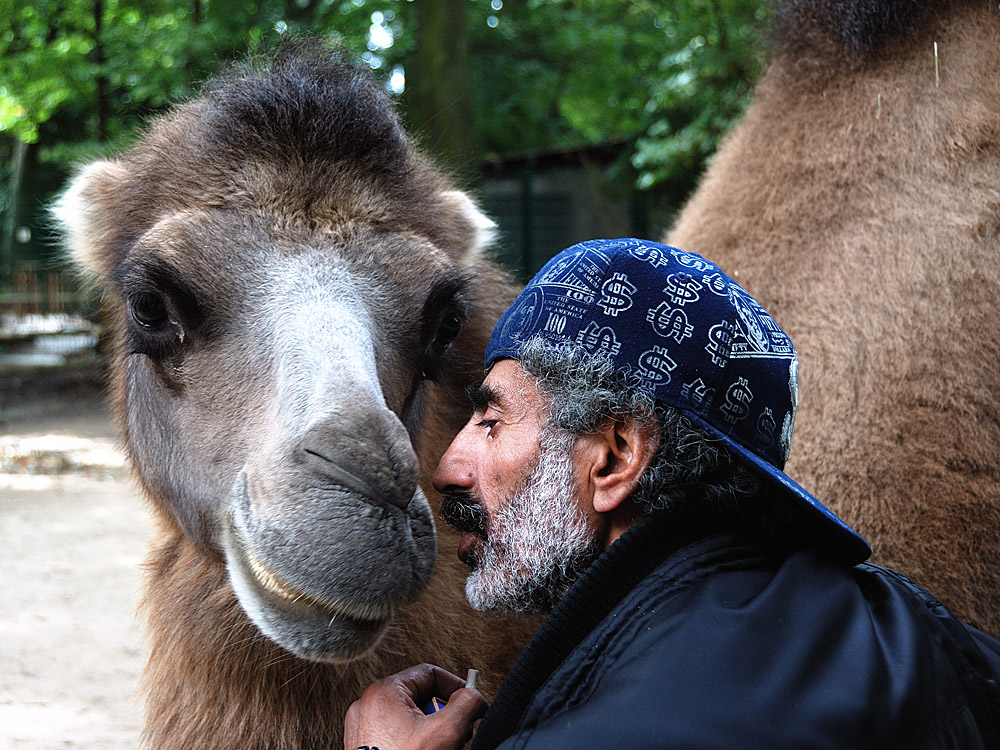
{"x":695,"y":641}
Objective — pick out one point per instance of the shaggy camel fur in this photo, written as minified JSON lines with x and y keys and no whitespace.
{"x":859,"y":200}
{"x":298,"y":300}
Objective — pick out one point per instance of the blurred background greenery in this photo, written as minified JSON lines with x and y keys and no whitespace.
{"x":633,"y":94}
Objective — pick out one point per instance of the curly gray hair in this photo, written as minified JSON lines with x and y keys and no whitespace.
{"x":690,"y":471}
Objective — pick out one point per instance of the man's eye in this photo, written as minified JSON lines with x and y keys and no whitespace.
{"x":488,"y":424}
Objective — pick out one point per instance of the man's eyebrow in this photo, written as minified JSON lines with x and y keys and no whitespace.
{"x":483,"y":396}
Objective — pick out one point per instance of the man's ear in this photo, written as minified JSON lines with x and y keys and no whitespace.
{"x":619,"y":454}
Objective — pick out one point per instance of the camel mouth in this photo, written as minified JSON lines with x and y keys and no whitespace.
{"x":363,"y":615}
{"x":318,"y":590}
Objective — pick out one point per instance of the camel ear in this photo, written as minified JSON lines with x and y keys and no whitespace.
{"x":85,"y":216}
{"x":484,"y":229}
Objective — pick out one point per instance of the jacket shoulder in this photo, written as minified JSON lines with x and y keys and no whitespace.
{"x":747,"y":650}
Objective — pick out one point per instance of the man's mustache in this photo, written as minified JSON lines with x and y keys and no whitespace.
{"x":465,"y":513}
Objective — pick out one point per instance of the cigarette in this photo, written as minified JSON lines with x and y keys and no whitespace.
{"x":472,"y":679}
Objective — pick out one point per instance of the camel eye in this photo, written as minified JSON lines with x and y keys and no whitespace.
{"x":149,"y":310}
{"x":443,"y":316}
{"x":449,"y":329}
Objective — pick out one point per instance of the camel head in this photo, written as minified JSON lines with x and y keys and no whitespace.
{"x":292,"y":292}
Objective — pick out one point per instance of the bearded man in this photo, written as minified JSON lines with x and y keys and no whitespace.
{"x":622,"y":473}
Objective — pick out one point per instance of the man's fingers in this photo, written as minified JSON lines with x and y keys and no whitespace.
{"x":469,"y":703}
{"x":454,"y":721}
{"x":425,"y":681}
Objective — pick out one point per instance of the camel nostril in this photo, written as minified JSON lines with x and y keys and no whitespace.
{"x":376,"y":481}
{"x":372,"y":458}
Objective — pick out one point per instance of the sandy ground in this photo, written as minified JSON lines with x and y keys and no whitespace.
{"x":72,"y":535}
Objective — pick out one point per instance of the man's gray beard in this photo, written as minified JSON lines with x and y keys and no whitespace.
{"x":539,"y":542}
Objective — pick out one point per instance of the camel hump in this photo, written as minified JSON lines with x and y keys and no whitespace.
{"x":852,"y":28}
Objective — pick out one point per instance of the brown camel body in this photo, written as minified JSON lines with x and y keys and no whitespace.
{"x":859,"y":200}
{"x":298,"y":299}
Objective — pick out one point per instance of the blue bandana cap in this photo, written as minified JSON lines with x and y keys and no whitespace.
{"x":673,"y":324}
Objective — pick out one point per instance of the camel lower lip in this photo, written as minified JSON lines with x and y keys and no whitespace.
{"x":275,"y":585}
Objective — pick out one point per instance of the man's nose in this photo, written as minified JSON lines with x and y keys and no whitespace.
{"x":454,"y":471}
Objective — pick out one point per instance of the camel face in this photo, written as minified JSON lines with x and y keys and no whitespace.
{"x":326,"y":530}
{"x":282,"y":310}
{"x":312,"y":493}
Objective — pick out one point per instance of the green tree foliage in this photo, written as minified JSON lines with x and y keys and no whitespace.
{"x":78,"y":78}
{"x":668,"y":79}
{"x":702,"y":85}
{"x":125,"y":59}
{"x":665,"y":80}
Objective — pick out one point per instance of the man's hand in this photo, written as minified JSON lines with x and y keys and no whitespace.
{"x":389,"y":716}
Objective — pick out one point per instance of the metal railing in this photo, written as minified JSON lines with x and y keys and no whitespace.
{"x":45,"y":321}
{"x":44,"y":292}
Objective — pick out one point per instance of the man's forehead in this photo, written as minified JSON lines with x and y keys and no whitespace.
{"x":508,"y":387}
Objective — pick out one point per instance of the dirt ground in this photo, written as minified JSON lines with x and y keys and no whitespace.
{"x":72,"y":536}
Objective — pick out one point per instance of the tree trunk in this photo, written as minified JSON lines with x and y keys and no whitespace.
{"x":440,"y":82}
{"x":19,"y":153}
{"x":100,"y":80}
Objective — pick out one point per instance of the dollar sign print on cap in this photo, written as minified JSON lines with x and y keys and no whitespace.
{"x":674,"y":324}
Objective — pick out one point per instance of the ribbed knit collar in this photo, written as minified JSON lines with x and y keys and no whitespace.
{"x":602,"y":586}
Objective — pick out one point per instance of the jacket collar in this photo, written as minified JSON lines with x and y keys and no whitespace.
{"x":602,"y":586}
